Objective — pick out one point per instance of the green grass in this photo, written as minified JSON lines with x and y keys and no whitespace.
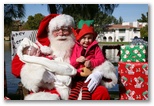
{"x":114,"y":43}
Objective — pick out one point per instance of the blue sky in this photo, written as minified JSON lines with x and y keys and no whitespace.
{"x":129,"y":12}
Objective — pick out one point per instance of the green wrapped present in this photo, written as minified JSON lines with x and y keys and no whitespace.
{"x":133,"y":53}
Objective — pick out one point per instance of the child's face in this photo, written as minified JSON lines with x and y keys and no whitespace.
{"x":86,"y":40}
{"x":34,"y":51}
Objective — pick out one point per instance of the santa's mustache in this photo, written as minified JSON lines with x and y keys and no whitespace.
{"x":63,"y":37}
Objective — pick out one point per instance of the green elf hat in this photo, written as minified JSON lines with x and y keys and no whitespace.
{"x":85,"y":27}
{"x":82,"y":22}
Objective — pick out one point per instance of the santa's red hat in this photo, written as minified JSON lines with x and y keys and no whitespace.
{"x":51,"y":22}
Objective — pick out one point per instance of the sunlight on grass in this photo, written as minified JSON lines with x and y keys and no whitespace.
{"x":114,"y":43}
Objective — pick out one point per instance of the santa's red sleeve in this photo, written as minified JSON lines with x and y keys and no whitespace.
{"x":16,"y":66}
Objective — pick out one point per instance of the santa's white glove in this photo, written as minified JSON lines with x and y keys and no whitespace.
{"x":48,"y":77}
{"x":94,"y":79}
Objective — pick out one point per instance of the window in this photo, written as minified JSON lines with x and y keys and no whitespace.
{"x":110,"y":38}
{"x":136,"y":30}
{"x":122,"y":30}
{"x":121,"y":38}
{"x":104,"y":39}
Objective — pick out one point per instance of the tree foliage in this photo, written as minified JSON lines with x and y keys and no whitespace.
{"x":144,"y":30}
{"x":144,"y":18}
{"x":83,"y":11}
{"x":12,"y":12}
{"x":120,"y":21}
{"x":52,"y":8}
{"x":101,"y":20}
{"x":101,"y":13}
{"x":15,"y":26}
{"x":33,"y":22}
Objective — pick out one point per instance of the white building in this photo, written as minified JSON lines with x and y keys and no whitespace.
{"x":121,"y":32}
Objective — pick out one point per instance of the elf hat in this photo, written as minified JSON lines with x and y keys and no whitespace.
{"x":85,"y":30}
{"x":88,"y":22}
{"x":50,"y":23}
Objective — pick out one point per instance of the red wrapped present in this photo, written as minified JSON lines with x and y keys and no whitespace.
{"x":133,"y":80}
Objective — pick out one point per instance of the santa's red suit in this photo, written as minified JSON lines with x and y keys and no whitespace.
{"x":62,"y":48}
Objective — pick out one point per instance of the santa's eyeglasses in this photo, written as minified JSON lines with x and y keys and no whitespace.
{"x":64,"y":30}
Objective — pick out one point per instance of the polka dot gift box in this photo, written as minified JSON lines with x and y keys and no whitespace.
{"x":133,"y":53}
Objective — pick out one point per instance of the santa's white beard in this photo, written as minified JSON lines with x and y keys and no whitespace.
{"x":62,"y":46}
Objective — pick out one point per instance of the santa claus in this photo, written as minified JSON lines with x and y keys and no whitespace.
{"x":55,"y":34}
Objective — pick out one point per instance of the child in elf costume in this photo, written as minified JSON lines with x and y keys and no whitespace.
{"x":85,"y":57}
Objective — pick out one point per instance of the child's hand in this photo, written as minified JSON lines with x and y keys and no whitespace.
{"x":81,"y":59}
{"x":87,"y":64}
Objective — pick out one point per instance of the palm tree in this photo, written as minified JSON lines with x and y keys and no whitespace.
{"x":52,"y":8}
{"x":83,"y":11}
{"x":13,"y":11}
{"x":144,"y":18}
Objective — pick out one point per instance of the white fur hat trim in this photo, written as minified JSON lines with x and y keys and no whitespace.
{"x":61,"y":20}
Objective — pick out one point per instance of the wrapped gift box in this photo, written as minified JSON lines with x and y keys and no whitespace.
{"x":133,"y":53}
{"x":133,"y":78}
